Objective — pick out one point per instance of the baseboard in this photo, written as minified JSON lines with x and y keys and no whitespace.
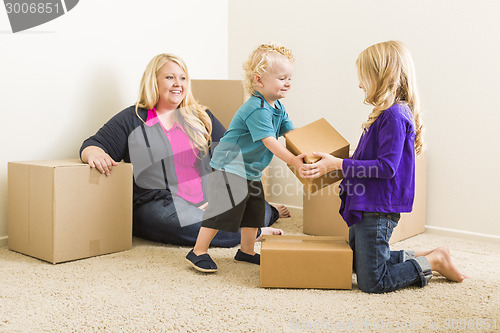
{"x":4,"y":240}
{"x":461,"y":234}
{"x":430,"y":229}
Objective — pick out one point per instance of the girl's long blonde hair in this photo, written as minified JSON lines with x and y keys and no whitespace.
{"x":191,"y":114}
{"x":387,"y":75}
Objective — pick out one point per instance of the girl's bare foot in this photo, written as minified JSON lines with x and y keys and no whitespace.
{"x":419,"y":253}
{"x":440,"y":261}
{"x":284,"y":212}
{"x":269,"y":231}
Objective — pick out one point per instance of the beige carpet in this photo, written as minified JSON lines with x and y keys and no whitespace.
{"x":152,"y":289}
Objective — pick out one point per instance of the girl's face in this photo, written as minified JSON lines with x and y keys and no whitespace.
{"x":361,"y":85}
{"x":276,"y":83}
{"x":172,"y":85}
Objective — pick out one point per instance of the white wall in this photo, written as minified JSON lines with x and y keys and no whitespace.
{"x":455,"y":45}
{"x":59,"y":82}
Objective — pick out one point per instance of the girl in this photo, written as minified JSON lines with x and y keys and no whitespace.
{"x":379,"y":179}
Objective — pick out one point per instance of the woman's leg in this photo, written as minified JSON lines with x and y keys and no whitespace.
{"x":159,"y":223}
{"x":374,"y":263}
{"x":273,"y":213}
{"x":271,"y":216}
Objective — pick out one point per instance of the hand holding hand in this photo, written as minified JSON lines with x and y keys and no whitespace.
{"x":326,"y":164}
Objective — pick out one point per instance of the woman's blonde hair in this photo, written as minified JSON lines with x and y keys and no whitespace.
{"x":387,"y":75}
{"x":261,"y":61}
{"x":192,"y":115}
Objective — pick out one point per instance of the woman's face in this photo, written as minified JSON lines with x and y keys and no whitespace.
{"x":172,"y":85}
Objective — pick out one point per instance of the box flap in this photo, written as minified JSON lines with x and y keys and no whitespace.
{"x":286,"y":242}
{"x":53,"y":163}
{"x":318,"y":136}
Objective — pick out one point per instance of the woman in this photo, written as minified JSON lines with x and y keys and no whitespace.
{"x":168,"y":137}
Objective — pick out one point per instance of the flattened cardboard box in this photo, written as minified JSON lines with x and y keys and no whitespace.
{"x":321,"y":262}
{"x":63,"y":210}
{"x":322,"y":218}
{"x":318,"y":136}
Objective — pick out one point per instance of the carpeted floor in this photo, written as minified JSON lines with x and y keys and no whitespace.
{"x":150,"y":288}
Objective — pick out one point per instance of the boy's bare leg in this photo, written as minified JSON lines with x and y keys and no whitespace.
{"x":248,"y":236}
{"x":204,"y":239}
{"x":440,"y":261}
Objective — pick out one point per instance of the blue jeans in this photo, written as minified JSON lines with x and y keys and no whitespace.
{"x":159,"y":223}
{"x":379,"y":269}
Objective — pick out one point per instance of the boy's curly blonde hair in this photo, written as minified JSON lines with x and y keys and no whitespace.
{"x":261,"y":61}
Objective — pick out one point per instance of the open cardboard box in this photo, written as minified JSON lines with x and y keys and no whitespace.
{"x":63,"y":210}
{"x":305,"y":262}
{"x":318,"y":136}
{"x":321,"y":210}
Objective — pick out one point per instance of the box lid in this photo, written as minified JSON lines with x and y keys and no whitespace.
{"x":318,"y":136}
{"x":54,"y":163}
{"x":304,"y":243}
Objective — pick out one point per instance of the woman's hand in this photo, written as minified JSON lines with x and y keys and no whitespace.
{"x":204,"y":206}
{"x":326,"y":164}
{"x":98,"y":158}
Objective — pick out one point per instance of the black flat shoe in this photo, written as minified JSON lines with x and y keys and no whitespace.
{"x":242,"y":256}
{"x":202,"y":263}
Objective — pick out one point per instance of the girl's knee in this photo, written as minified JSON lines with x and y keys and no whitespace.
{"x":370,"y":283}
{"x":371,"y":289}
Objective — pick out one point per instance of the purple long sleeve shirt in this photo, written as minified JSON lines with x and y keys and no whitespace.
{"x":380,"y":176}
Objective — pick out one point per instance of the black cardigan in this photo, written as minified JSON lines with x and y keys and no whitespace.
{"x":125,"y":137}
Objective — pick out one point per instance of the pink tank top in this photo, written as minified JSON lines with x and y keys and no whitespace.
{"x":187,"y":164}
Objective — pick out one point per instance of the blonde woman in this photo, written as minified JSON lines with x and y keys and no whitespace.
{"x":168,"y":137}
{"x":379,"y":179}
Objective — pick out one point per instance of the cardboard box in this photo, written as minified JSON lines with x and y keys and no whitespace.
{"x":223,"y":98}
{"x":321,"y":210}
{"x":321,"y":213}
{"x":318,"y":136}
{"x":305,"y":262}
{"x":62,"y":210}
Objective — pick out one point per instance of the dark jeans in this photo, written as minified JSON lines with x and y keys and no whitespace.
{"x":159,"y":223}
{"x":379,"y":269}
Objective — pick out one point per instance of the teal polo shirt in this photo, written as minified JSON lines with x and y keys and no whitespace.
{"x":241,"y":150}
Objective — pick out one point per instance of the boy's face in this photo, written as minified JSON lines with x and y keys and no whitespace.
{"x":277,"y":82}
